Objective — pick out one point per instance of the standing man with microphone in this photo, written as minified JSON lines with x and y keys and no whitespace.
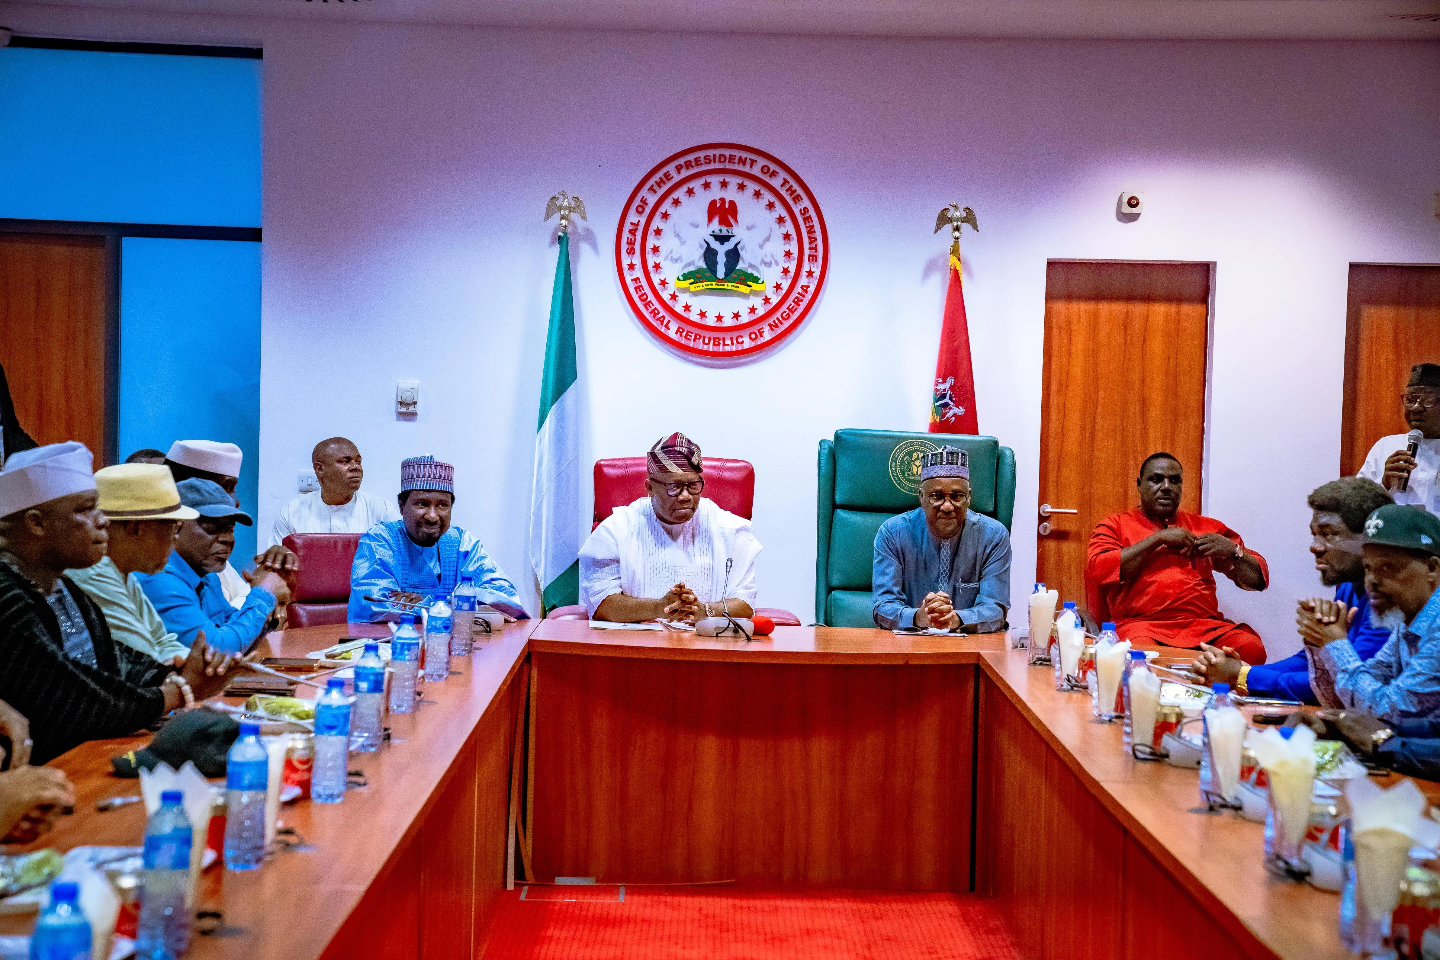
{"x":1408,"y":464}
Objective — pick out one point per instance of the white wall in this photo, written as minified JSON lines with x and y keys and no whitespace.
{"x":406,"y":170}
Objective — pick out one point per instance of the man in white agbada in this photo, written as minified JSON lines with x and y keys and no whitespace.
{"x":219,"y":462}
{"x":339,"y":506}
{"x":1390,"y":463}
{"x":672,"y":554}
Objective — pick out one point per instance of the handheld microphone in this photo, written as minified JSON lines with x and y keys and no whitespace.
{"x":1412,"y":447}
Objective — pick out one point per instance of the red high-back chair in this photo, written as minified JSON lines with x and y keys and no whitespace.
{"x":321,"y":594}
{"x":621,"y":480}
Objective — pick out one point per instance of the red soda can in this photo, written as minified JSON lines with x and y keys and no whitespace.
{"x":1417,"y":912}
{"x":215,"y":836}
{"x":128,"y":888}
{"x":1087,"y":664}
{"x":1167,"y":720}
{"x":299,"y":763}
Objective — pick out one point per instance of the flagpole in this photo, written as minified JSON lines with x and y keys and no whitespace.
{"x":952,"y":405}
{"x":555,"y":490}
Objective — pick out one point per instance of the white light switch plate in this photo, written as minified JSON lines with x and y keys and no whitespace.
{"x":307,"y":483}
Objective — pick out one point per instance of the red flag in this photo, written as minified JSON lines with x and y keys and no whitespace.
{"x":952,"y":405}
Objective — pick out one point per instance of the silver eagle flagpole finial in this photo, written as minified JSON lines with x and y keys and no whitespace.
{"x":955,"y":216}
{"x":567,"y":206}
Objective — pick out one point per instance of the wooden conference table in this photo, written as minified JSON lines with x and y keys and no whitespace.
{"x":818,"y":757}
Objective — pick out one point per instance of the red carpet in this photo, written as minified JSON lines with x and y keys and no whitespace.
{"x":727,"y":923}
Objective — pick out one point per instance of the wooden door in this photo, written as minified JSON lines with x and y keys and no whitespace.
{"x":1393,"y":324}
{"x":1126,"y":346}
{"x":55,"y":336}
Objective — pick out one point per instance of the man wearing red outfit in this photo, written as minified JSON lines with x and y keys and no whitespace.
{"x":1152,"y":570}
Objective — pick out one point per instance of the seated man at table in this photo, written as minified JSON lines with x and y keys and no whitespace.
{"x":1411,"y":747}
{"x":1402,"y":577}
{"x":59,"y":666}
{"x":1412,"y":478}
{"x":143,"y":506}
{"x":1151,"y":570}
{"x":1337,"y":529}
{"x":941,"y":566}
{"x":187,"y":592}
{"x":339,"y":506}
{"x":672,"y":554}
{"x":420,"y":558}
{"x":220,"y":462}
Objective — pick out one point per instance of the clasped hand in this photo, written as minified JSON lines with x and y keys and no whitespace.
{"x":681,"y":604}
{"x":1322,"y":622}
{"x":937,"y":610}
{"x":1212,"y":546}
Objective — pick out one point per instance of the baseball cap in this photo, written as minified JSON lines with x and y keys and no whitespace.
{"x":202,"y":736}
{"x":1404,"y":526}
{"x":209,"y":499}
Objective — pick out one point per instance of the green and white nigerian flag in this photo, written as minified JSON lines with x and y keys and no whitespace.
{"x":555,"y":493}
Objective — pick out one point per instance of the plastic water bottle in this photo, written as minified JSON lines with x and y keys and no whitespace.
{"x":438,"y":632}
{"x":332,"y":744}
{"x":63,"y":933}
{"x":1071,"y":615}
{"x":404,"y":665}
{"x":164,"y":908}
{"x":366,"y":722}
{"x":1211,"y":784}
{"x":465,"y":601}
{"x":1137,"y":659}
{"x":246,"y":778}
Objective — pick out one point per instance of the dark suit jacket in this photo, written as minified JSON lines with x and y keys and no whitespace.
{"x":13,"y":439}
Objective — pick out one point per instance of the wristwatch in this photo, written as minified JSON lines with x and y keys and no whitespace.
{"x":1380,"y":737}
{"x":1242,"y":685}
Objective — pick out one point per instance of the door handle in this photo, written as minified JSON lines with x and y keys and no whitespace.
{"x":1046,"y":510}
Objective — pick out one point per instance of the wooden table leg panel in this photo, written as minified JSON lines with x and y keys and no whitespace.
{"x":386,"y":923}
{"x":1162,"y":918}
{"x":449,"y":845}
{"x":651,"y":771}
{"x":495,"y":745}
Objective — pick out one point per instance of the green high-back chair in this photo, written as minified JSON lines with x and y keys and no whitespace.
{"x":869,"y":476}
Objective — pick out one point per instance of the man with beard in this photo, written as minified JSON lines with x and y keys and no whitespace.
{"x":339,"y":506}
{"x":1337,"y":529}
{"x":940,"y":566}
{"x":188,"y":594}
{"x":420,"y":557}
{"x":1151,"y":570}
{"x":1402,"y":578}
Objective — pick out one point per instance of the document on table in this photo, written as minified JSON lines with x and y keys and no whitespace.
{"x":927,"y":632}
{"x":608,"y":625}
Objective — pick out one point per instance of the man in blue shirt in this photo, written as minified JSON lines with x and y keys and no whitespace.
{"x":420,"y":558}
{"x":1402,"y":577}
{"x":188,"y":593}
{"x":940,"y":566}
{"x":1337,"y":527}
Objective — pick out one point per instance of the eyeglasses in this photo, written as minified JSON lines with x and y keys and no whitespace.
{"x":1420,"y":401}
{"x":938,"y":499}
{"x":694,"y":487}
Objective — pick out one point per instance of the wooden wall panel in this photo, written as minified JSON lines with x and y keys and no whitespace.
{"x":1126,"y":359}
{"x":1393,"y":323}
{"x":495,"y":744}
{"x":55,"y":336}
{"x":650,"y":771}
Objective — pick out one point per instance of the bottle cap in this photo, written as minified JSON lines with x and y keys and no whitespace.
{"x":409,"y":618}
{"x":336,"y":684}
{"x":1137,"y":654}
{"x":1039,"y":588}
{"x":64,"y":891}
{"x":1222,"y":689}
{"x":1287,"y":732}
{"x":248,"y":729}
{"x":172,"y":797}
{"x":1070,"y":604}
{"x":1107,"y":625}
{"x":372,"y":646}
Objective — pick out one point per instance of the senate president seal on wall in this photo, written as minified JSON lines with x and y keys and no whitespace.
{"x":722,"y":252}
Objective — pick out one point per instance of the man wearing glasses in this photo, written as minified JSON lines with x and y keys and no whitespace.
{"x":1151,"y":570}
{"x":1412,"y":479}
{"x":673,"y":554}
{"x":939,"y":566}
